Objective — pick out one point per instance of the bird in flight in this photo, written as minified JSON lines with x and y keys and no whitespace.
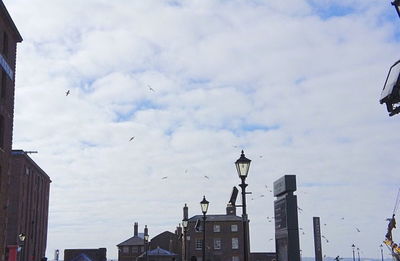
{"x":151,"y":89}
{"x":67,"y":93}
{"x":206,"y":177}
{"x":131,"y":139}
{"x":358,"y":230}
{"x":164,"y":177}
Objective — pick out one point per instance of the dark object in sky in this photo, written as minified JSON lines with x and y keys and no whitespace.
{"x":151,"y":89}
{"x":396,"y":4}
{"x":234,"y":195}
{"x":131,"y":138}
{"x":206,"y":177}
{"x":164,"y":177}
{"x":358,"y":230}
{"x":391,"y":91}
{"x":67,"y":93}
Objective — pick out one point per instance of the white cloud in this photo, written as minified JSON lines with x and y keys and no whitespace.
{"x":297,"y":90}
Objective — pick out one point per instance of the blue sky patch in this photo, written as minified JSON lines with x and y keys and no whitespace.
{"x":326,"y":11}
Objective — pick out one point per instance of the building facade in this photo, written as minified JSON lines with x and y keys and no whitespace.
{"x":9,"y":37}
{"x":99,"y":254}
{"x":133,"y":247}
{"x":168,"y":241}
{"x":224,"y":237}
{"x":28,"y":206}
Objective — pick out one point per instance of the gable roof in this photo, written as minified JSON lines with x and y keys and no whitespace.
{"x":158,"y":252}
{"x":211,"y":218}
{"x":81,"y":257}
{"x":133,"y":241}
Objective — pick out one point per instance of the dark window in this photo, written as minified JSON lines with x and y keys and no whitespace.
{"x":1,"y":132}
{"x":3,"y":84}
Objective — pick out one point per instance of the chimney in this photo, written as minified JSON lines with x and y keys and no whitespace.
{"x":230,"y":209}
{"x":135,"y":232}
{"x":178,"y":231}
{"x":185,"y":212}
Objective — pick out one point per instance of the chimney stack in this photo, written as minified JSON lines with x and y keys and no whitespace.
{"x":230,"y":209}
{"x":135,"y":232}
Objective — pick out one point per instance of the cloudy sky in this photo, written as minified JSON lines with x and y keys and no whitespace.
{"x":296,"y":84}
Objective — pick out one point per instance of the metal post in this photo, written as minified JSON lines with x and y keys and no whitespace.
{"x":146,"y":247}
{"x":381,"y":251}
{"x":358,"y":253}
{"x":243,"y":185}
{"x":204,"y":236}
{"x":354,"y":257}
{"x":184,"y":244}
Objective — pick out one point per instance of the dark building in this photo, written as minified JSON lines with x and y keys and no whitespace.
{"x":158,"y":254}
{"x":131,"y":248}
{"x":28,"y":206}
{"x":168,"y":241}
{"x":99,"y":254}
{"x":263,"y":256}
{"x":9,"y":37}
{"x":224,"y":237}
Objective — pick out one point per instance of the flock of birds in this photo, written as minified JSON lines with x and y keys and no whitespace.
{"x":269,"y":219}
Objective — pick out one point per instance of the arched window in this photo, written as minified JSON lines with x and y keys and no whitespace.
{"x":1,"y":131}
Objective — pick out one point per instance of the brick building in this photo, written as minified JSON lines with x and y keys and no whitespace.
{"x":168,"y":241}
{"x":133,"y":247}
{"x":99,"y":254}
{"x":224,"y":237}
{"x":9,"y":37}
{"x":28,"y":206}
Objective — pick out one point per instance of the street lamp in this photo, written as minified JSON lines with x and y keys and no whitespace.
{"x":358,"y":253}
{"x":391,"y":90}
{"x":381,"y":246}
{"x":242,"y":167}
{"x":354,"y":257}
{"x":22,"y":238}
{"x":204,"y":207}
{"x":396,"y":4}
{"x":185,"y":222}
{"x":146,"y":240}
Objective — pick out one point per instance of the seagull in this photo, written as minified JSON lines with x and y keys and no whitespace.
{"x":324,"y":224}
{"x":271,"y":239}
{"x":131,"y":139}
{"x":186,"y":171}
{"x":261,"y":156}
{"x":299,"y":209}
{"x":151,"y":89}
{"x":67,"y":93}
{"x":164,"y":177}
{"x":358,"y":230}
{"x":206,"y":177}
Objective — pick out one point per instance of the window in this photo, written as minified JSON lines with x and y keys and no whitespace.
{"x":1,"y":132}
{"x":125,"y":250}
{"x":134,"y":249}
{"x":3,"y":84}
{"x":234,"y":228}
{"x":235,"y":243}
{"x":235,"y":258}
{"x":198,"y":244}
{"x":217,"y":228}
{"x":217,"y":243}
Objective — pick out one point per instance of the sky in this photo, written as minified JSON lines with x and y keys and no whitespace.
{"x":295,"y":84}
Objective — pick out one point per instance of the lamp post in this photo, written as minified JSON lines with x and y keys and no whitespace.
{"x":381,"y":246}
{"x":185,"y":222}
{"x":396,"y":4}
{"x":242,"y":167}
{"x":354,"y":257}
{"x":146,"y":240}
{"x":204,"y":207}
{"x":358,"y":253}
{"x":22,"y":238}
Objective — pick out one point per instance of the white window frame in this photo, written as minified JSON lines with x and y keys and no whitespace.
{"x":235,"y":243}
{"x":234,"y":228}
{"x":217,"y":244}
{"x":217,"y":228}
{"x":198,"y":244}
